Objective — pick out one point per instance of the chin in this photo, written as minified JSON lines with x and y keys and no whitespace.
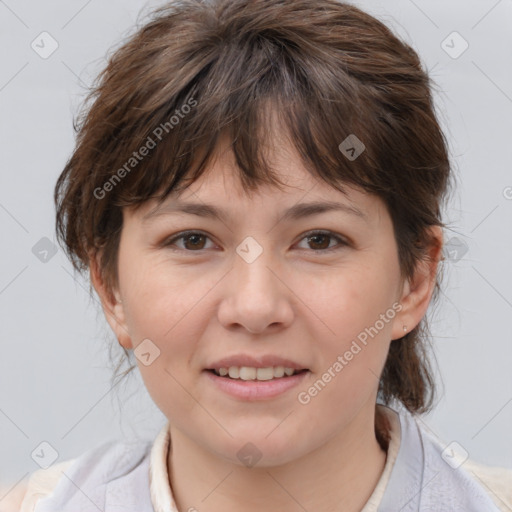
{"x":262,"y":450}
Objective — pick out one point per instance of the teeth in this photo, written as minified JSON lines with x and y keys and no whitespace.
{"x":279,"y":371}
{"x":264,"y":373}
{"x":249,"y":373}
{"x":246,"y":373}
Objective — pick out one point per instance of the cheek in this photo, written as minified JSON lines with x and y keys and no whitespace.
{"x":165,"y":305}
{"x":155,"y":296}
{"x":161,"y":307}
{"x":354,"y":335}
{"x":350,"y":301}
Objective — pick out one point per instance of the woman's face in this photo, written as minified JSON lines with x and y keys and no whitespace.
{"x":257,"y":284}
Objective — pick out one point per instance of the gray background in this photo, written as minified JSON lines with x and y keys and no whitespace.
{"x":54,"y":369}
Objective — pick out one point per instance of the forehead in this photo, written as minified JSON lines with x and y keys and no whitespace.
{"x":222,"y":195}
{"x":222,"y":177}
{"x":218,"y":194}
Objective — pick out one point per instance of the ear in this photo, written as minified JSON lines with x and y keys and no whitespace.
{"x":417,"y":291}
{"x":110,"y":303}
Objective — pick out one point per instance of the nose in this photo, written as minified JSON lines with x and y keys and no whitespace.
{"x":255,"y":296}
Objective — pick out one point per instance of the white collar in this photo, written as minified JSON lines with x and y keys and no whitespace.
{"x":161,"y":493}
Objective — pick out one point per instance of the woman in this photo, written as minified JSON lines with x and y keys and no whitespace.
{"x":256,"y":191}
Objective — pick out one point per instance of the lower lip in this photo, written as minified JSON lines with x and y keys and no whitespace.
{"x":256,"y":389}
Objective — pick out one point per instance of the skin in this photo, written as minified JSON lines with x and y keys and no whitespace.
{"x":295,"y":300}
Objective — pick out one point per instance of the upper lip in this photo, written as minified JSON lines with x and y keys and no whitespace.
{"x":264,"y":361}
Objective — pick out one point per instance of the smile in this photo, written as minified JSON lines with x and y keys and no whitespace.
{"x":251,"y":387}
{"x":251,"y":373}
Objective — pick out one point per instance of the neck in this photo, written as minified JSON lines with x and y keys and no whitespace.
{"x":341,"y":473}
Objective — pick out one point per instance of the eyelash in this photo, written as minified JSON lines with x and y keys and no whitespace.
{"x":185,"y":234}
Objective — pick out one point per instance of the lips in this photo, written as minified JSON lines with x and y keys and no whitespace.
{"x":249,"y":390}
{"x":250,"y":377}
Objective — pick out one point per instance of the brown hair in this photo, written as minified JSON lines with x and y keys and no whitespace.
{"x":199,"y":69}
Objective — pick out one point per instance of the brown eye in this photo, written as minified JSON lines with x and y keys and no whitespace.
{"x":193,"y":241}
{"x":196,"y":241}
{"x":320,"y":241}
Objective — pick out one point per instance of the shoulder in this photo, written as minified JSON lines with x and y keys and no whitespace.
{"x":95,"y":467}
{"x":41,"y":483}
{"x":493,"y":484}
{"x":496,"y":481}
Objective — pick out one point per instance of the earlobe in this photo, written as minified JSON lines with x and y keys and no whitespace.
{"x":418,"y":290}
{"x":111,"y":304}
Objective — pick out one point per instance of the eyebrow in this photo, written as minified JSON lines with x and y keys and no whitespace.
{"x":296,"y":212}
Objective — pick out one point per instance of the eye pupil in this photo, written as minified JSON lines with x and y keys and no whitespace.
{"x":196,"y":236}
{"x":325,"y":237}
